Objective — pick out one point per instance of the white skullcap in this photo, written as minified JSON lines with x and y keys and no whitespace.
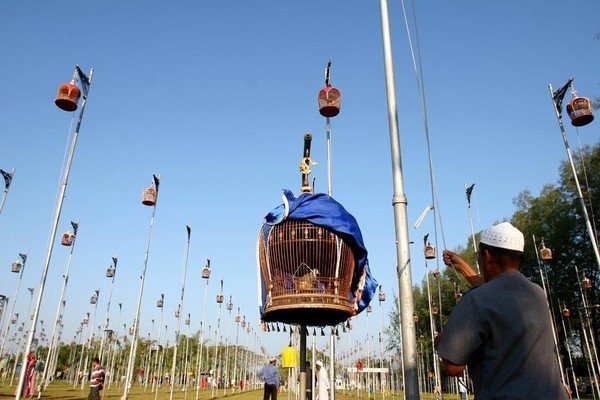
{"x":271,"y":359}
{"x":504,"y":236}
{"x":319,"y":363}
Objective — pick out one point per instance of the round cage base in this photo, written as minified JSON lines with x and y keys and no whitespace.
{"x":309,"y":315}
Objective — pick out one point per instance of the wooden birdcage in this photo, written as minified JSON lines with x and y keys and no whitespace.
{"x":160,"y":303}
{"x":305,"y":268}
{"x":330,"y":100}
{"x":93,"y":299}
{"x":586,"y":283}
{"x":110,"y":272}
{"x":16,"y":267}
{"x":206,"y":272}
{"x":580,"y":111}
{"x":435,"y":310}
{"x":545,"y":254}
{"x":68,"y":96}
{"x":566,"y":312}
{"x":381,"y":295}
{"x":149,"y":196}
{"x":429,"y":252}
{"x":67,"y":238}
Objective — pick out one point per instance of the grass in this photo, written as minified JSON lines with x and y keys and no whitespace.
{"x":62,"y":390}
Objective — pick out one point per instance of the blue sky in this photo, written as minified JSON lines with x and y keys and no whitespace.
{"x":216,"y":96}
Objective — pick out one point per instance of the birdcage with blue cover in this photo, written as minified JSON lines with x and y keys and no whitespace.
{"x":313,"y":267}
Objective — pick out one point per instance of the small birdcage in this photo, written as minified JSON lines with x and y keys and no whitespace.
{"x":429,"y":252}
{"x":110,"y":272}
{"x":416,"y":318}
{"x":220,"y":298}
{"x":229,"y":305}
{"x":369,"y":309}
{"x":16,"y":267}
{"x":206,"y":270}
{"x":68,"y":96}
{"x":187,"y":320}
{"x":458,"y":296}
{"x":238,"y":318}
{"x":243,"y":323}
{"x":305,"y":268}
{"x":149,"y":196}
{"x":93,"y":299}
{"x":160,"y":301}
{"x":580,"y":111}
{"x":131,"y":331}
{"x":14,"y":319}
{"x":566,"y":312}
{"x":330,"y":100}
{"x":67,"y":239}
{"x":435,"y":310}
{"x":545,"y":253}
{"x":21,"y":328}
{"x":381,"y":295}
{"x":85,"y":321}
{"x":177,"y":313}
{"x":586,"y":283}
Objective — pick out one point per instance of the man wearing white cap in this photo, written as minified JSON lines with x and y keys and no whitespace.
{"x":322,"y":382}
{"x":270,"y":376}
{"x":502,"y":329}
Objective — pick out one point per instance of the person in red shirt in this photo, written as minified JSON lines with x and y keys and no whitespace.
{"x":96,"y":380}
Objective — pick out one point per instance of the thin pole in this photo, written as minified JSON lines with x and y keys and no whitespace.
{"x":544,"y":278}
{"x":54,"y":226}
{"x":201,"y":338}
{"x":568,"y":347}
{"x":399,"y":202}
{"x":61,"y":301}
{"x":88,"y":344}
{"x":329,"y":189}
{"x":180,"y":309}
{"x":436,"y":368}
{"x":472,"y":229}
{"x":157,"y":374}
{"x":6,"y":188}
{"x":12,"y":307}
{"x":586,"y":216}
{"x":136,"y":321}
{"x":106,"y":317}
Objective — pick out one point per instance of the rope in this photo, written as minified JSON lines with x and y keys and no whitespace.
{"x":417,"y":65}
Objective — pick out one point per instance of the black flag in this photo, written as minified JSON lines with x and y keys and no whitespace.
{"x":23,"y":257}
{"x":469,"y":191}
{"x":7,"y":178}
{"x":559,"y":95}
{"x":156,"y":182}
{"x":115,"y":259}
{"x":189,"y":231}
{"x":75,"y":225}
{"x":425,"y":239}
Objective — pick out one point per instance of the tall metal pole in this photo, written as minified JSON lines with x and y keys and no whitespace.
{"x":12,"y":307}
{"x":586,"y":216}
{"x":157,"y":374}
{"x":61,"y":301}
{"x":399,"y":202}
{"x":113,"y":273}
{"x":7,"y":180}
{"x":206,"y":276}
{"x":180,"y":309}
{"x":136,"y":321}
{"x":54,"y":226}
{"x":471,"y":222}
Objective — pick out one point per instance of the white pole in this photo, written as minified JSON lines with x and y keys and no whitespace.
{"x":106,"y":317}
{"x":201,"y":336}
{"x":61,"y":301}
{"x":399,"y":201}
{"x":12,"y":307}
{"x":6,"y":188}
{"x":136,"y":321}
{"x":180,"y":310}
{"x":586,"y":216}
{"x":54,"y":226}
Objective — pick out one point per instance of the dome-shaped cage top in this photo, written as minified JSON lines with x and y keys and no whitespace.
{"x":330,"y":101}
{"x":580,"y":111}
{"x":312,"y":263}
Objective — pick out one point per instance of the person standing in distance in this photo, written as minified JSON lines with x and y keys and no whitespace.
{"x":501,"y":329}
{"x":270,"y":376}
{"x":96,"y":380}
{"x":322,"y":382}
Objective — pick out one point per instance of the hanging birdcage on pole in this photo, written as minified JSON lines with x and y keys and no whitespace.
{"x":311,"y":258}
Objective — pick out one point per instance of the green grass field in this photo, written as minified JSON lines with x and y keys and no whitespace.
{"x":64,"y":391}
